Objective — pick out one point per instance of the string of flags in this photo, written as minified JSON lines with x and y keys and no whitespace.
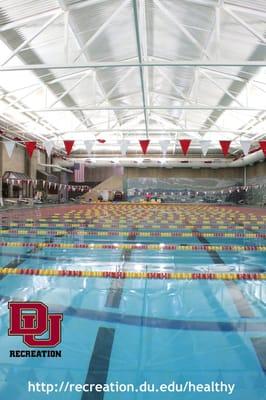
{"x":132,"y":192}
{"x":47,"y":185}
{"x":180,"y":192}
{"x":144,"y":145}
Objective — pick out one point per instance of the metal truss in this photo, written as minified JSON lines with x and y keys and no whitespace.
{"x":208,"y":66}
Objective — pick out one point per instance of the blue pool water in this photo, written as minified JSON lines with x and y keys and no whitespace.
{"x":137,"y":330}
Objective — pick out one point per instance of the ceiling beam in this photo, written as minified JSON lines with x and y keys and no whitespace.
{"x":181,"y":27}
{"x":140,"y":59}
{"x":74,"y":28}
{"x":107,"y":95}
{"x":31,"y":38}
{"x":225,"y":91}
{"x":172,"y":84}
{"x":67,"y":91}
{"x":140,"y":107}
{"x":25,"y":21}
{"x":101,"y":29}
{"x":121,"y":64}
{"x":160,"y":130}
{"x":243,"y":23}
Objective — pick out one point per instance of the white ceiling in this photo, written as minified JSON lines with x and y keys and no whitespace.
{"x":133,"y":69}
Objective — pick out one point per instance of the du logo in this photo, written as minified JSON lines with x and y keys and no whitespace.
{"x":30,"y":319}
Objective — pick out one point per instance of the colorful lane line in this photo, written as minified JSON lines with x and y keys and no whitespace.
{"x":153,"y":217}
{"x":125,"y":233}
{"x":118,"y":225}
{"x":137,"y":246}
{"x":134,"y":275}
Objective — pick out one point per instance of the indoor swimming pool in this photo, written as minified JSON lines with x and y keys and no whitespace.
{"x":160,"y":329}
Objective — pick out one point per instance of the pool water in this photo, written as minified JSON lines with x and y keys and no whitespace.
{"x":137,"y":330}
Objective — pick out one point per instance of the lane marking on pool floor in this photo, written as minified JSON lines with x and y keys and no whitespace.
{"x":100,"y":359}
{"x":99,"y":362}
{"x":116,"y":288}
{"x":241,"y":303}
{"x":259,"y":344}
{"x":240,"y":325}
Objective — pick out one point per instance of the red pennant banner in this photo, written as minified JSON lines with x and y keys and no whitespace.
{"x":101,"y":140}
{"x":225,"y":144}
{"x":263,"y":146}
{"x":30,"y":147}
{"x":68,"y":145}
{"x":144,"y":144}
{"x":185,"y":143}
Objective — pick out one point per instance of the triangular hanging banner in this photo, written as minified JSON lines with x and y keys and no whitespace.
{"x":205,"y":144}
{"x":263,"y":146}
{"x":101,"y":140}
{"x":30,"y":147}
{"x":144,"y":144}
{"x":9,"y":147}
{"x":68,"y":145}
{"x":164,"y":146}
{"x":89,"y":145}
{"x":245,"y":145}
{"x":185,"y":143}
{"x":225,"y":144}
{"x":124,"y":146}
{"x":48,"y":145}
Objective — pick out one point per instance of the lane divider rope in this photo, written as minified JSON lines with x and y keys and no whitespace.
{"x":118,"y":246}
{"x":125,"y":233}
{"x":134,"y":275}
{"x":168,"y":225}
